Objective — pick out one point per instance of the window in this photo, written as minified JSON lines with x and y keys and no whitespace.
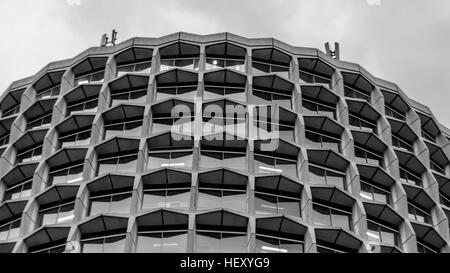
{"x":183,"y":92}
{"x":18,"y":191}
{"x":400,"y":143}
{"x":141,"y":67}
{"x":163,"y":123}
{"x":367,"y":157}
{"x":422,"y":248}
{"x":428,"y":136}
{"x":266,"y":244}
{"x":444,"y":200}
{"x":10,"y":230}
{"x":186,"y":63}
{"x":217,"y":92}
{"x":382,"y":233}
{"x":418,"y":214}
{"x":320,"y":140}
{"x":325,"y":249}
{"x":353,"y":93}
{"x":214,"y":63}
{"x":44,"y":120}
{"x":324,"y":215}
{"x":62,"y":213}
{"x":34,"y":153}
{"x":53,"y":249}
{"x":318,"y":108}
{"x":90,"y":78}
{"x":394,"y":113}
{"x":66,"y":175}
{"x":87,"y":105}
{"x":268,"y":204}
{"x":309,"y":77}
{"x":375,"y":193}
{"x":53,"y":91}
{"x":209,"y":198}
{"x":110,"y":244}
{"x":111,"y":203}
{"x":221,"y":242}
{"x":409,"y":177}
{"x":325,"y":176}
{"x":265,"y":130}
{"x":122,"y":163}
{"x":176,"y":159}
{"x":4,"y":140}
{"x":362,"y":124}
{"x":134,"y":96}
{"x":232,"y":122}
{"x":435,"y":166}
{"x":127,"y":128}
{"x":166,"y":198}
{"x":272,"y":97}
{"x":12,"y":111}
{"x":280,"y":70}
{"x":80,"y":138}
{"x":271,"y":165}
{"x":216,"y":159}
{"x":162,"y":242}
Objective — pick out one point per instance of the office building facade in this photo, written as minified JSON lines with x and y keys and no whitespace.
{"x":218,"y":143}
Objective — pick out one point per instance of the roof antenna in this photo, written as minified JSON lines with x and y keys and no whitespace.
{"x":105,"y":40}
{"x":335,"y":54}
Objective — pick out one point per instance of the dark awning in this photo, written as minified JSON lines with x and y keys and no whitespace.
{"x":358,"y":81}
{"x":328,"y":158}
{"x":134,"y":55}
{"x":225,"y":77}
{"x":225,"y":50}
{"x":271,"y":55}
{"x":57,"y":194}
{"x":273,"y":83}
{"x":166,"y":178}
{"x":117,"y":145}
{"x":223,"y":178}
{"x":221,"y":220}
{"x":333,"y":195}
{"x":89,"y":65}
{"x":110,"y":182}
{"x":83,"y":92}
{"x":162,"y":220}
{"x":280,"y":227}
{"x":179,"y":49}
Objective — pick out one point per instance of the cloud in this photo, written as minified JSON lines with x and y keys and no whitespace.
{"x":404,"y":41}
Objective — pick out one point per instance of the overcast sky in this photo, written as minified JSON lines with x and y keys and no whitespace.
{"x":404,"y":41}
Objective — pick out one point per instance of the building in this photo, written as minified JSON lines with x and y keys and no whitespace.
{"x":94,"y":159}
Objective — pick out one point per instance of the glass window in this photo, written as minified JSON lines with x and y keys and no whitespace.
{"x":328,"y":216}
{"x":63,"y":213}
{"x":353,"y":93}
{"x":218,"y":92}
{"x":270,"y":130}
{"x":68,"y":175}
{"x":4,"y":139}
{"x":187,"y":63}
{"x":418,"y":214}
{"x":221,"y":242}
{"x":166,"y":198}
{"x":80,"y":138}
{"x":53,"y":91}
{"x":394,"y":113}
{"x":123,"y":163}
{"x":271,"y":165}
{"x":183,"y":92}
{"x":32,"y":154}
{"x":270,"y":97}
{"x":318,"y":108}
{"x":90,"y":78}
{"x":267,"y":204}
{"x":140,"y":67}
{"x":215,"y":63}
{"x":112,"y":203}
{"x":44,"y":120}
{"x":375,"y":193}
{"x":12,"y":111}
{"x":218,"y":198}
{"x":309,"y":77}
{"x":280,"y":70}
{"x":124,"y":128}
{"x":214,"y":159}
{"x":183,"y":124}
{"x":362,"y":124}
{"x":382,"y":234}
{"x":10,"y":230}
{"x":134,"y":96}
{"x":410,"y":178}
{"x":321,"y":175}
{"x":162,"y":242}
{"x":88,"y":105}
{"x":422,"y":248}
{"x":367,"y":157}
{"x":322,"y":141}
{"x":18,"y":191}
{"x":113,"y":244}
{"x":275,"y":245}
{"x":400,"y":143}
{"x":180,"y":159}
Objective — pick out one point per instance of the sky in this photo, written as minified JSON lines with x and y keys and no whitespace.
{"x":403,"y":41}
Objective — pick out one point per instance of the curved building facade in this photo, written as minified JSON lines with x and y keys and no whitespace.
{"x":218,"y":143}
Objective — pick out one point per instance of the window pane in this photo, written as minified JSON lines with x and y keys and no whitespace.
{"x":107,"y":166}
{"x":174,"y":243}
{"x":121,"y":203}
{"x":321,"y":216}
{"x":340,"y":219}
{"x":265,"y":204}
{"x":127,"y":164}
{"x":157,"y":160}
{"x":149,"y":243}
{"x":317,"y":175}
{"x":100,"y":205}
{"x":211,"y":160}
{"x":207,"y":242}
{"x":94,"y":246}
{"x":49,"y":217}
{"x":114,"y":245}
{"x":235,"y":161}
{"x":178,"y":199}
{"x":154,"y":199}
{"x":289,"y":207}
{"x":232,"y":243}
{"x":234,"y":201}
